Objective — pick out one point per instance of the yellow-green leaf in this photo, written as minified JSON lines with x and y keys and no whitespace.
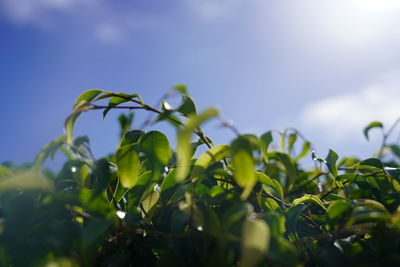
{"x":208,"y":158}
{"x":255,"y":242}
{"x":26,"y":180}
{"x":309,"y":198}
{"x":79,"y":106}
{"x":183,"y":149}
{"x":244,"y":164}
{"x":128,"y":163}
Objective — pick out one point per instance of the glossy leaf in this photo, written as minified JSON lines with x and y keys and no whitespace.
{"x":155,"y":146}
{"x":309,"y":198}
{"x":128,"y":163}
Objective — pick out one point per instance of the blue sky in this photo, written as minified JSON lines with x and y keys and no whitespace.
{"x":326,"y":67}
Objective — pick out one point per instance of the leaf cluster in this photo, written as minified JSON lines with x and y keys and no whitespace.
{"x":249,"y":202}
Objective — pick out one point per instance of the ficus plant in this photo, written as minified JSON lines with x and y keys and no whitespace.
{"x":248,"y":202}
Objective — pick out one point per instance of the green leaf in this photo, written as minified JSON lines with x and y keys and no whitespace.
{"x":266,"y":180}
{"x":26,"y":180}
{"x":79,"y":106}
{"x":208,"y":158}
{"x":187,"y":107}
{"x":137,"y":192}
{"x":309,"y":198}
{"x":365,"y":214}
{"x":183,"y":149}
{"x":168,"y":185}
{"x":331,"y":160}
{"x":156,"y":148}
{"x":255,"y":242}
{"x":373,"y":162}
{"x":119,"y":95}
{"x":374,"y":124}
{"x":393,"y":172}
{"x":338,"y":208}
{"x":289,"y":166}
{"x":181,"y":88}
{"x":371,"y":203}
{"x":244,"y":164}
{"x":49,"y":150}
{"x":131,"y":137}
{"x":305,"y":149}
{"x":149,"y":202}
{"x":102,"y":175}
{"x":125,"y":123}
{"x":292,"y":139}
{"x":128,"y":163}
{"x":265,"y":140}
{"x":292,"y":219}
{"x":114,"y":101}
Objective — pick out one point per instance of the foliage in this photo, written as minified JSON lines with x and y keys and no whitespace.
{"x":246,"y":203}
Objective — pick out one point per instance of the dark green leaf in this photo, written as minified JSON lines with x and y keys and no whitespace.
{"x":331,"y":160}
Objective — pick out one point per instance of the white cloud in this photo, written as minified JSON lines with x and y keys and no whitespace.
{"x":343,"y":116}
{"x":36,"y":11}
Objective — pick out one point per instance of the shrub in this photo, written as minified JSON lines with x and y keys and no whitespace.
{"x":246,"y":203}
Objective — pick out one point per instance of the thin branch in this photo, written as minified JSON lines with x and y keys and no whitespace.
{"x":385,"y":137}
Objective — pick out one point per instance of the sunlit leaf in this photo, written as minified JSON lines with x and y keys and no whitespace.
{"x":309,"y":198}
{"x":213,"y":155}
{"x":266,"y":180}
{"x":155,"y":146}
{"x":26,"y":180}
{"x":338,"y":208}
{"x":79,"y":106}
{"x":265,"y":140}
{"x":255,"y":242}
{"x":291,"y":140}
{"x":304,"y":151}
{"x":244,"y":164}
{"x":128,"y":164}
{"x":181,"y":88}
{"x":183,"y":148}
